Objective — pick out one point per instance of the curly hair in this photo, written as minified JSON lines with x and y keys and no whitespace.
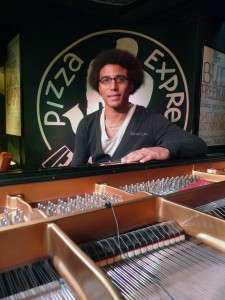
{"x":123,"y":58}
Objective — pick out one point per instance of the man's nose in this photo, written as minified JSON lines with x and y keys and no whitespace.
{"x":114,"y":85}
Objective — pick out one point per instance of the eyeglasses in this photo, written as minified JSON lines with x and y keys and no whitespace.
{"x":119,"y":79}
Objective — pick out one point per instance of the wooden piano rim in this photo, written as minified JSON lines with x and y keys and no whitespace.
{"x":57,"y":237}
{"x":38,"y":240}
{"x":53,"y":189}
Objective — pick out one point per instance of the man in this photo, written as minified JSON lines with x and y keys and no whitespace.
{"x":122,"y":131}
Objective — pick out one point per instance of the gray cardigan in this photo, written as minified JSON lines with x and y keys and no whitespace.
{"x":145,"y":129}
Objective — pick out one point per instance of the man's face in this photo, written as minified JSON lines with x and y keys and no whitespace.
{"x":115,"y":93}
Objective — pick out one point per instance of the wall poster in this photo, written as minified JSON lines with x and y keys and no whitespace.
{"x":212,"y":102}
{"x":12,"y":88}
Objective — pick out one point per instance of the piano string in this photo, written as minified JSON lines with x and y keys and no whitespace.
{"x":215,"y":208}
{"x":158,"y":262}
{"x":38,"y":280}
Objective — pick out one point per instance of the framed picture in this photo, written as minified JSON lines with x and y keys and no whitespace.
{"x":212,"y":100}
{"x":13,"y":88}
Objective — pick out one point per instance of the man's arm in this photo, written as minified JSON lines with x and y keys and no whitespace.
{"x":81,"y":153}
{"x":171,"y":141}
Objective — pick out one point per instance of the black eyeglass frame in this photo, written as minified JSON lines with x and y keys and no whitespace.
{"x":117,"y":79}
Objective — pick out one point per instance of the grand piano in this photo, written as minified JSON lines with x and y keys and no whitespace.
{"x":103,"y":232}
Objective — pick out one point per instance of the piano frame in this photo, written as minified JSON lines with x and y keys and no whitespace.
{"x":59,"y":236}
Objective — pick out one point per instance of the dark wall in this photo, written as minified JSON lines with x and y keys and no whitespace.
{"x":3,"y":138}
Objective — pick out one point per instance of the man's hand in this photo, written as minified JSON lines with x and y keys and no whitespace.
{"x":146,"y":154}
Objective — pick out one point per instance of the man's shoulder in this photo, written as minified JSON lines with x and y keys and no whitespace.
{"x":92,"y":116}
{"x":147,"y":114}
{"x":143,"y":110}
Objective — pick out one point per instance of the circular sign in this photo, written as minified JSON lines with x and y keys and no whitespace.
{"x":64,"y":96}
